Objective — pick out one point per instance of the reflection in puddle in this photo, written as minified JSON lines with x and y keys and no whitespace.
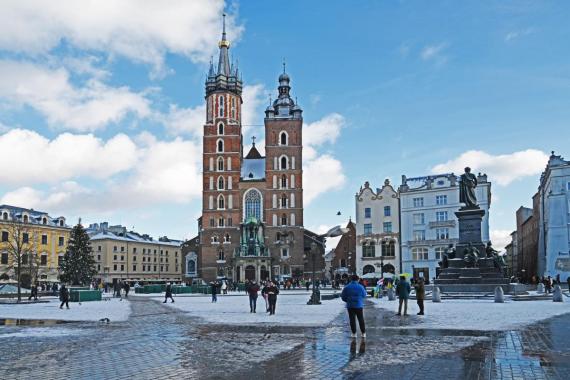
{"x":31,"y":322}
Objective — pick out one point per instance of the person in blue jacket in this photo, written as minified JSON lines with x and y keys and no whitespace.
{"x":403,"y":290}
{"x":354,"y":294}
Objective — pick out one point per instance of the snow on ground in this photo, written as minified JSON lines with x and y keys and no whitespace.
{"x":41,"y":332}
{"x":291,"y":310}
{"x":484,"y":315}
{"x":114,"y":309}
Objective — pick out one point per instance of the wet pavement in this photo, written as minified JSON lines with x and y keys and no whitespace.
{"x":162,"y":343}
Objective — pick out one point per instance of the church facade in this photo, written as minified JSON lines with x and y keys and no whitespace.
{"x":252,"y":205}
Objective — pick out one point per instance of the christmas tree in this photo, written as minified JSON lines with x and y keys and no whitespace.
{"x":78,"y":264}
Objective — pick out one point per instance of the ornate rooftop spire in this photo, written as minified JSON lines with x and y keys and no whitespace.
{"x":227,"y":76}
{"x":224,"y":60}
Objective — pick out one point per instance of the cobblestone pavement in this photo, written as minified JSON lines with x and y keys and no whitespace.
{"x":161,"y":343}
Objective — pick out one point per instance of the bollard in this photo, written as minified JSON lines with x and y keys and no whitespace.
{"x":540,"y":288}
{"x":557,"y":295}
{"x":499,"y":295}
{"x":436,"y":295}
{"x":391,"y":295}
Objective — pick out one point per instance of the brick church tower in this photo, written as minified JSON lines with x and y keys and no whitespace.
{"x":222,"y":152}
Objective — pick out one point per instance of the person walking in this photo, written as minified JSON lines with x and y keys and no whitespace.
{"x":353,"y":295}
{"x":33,"y":292}
{"x":420,"y":294}
{"x":253,"y":289}
{"x":127,"y":288}
{"x":224,"y":287}
{"x":214,"y":289}
{"x":64,"y":297}
{"x":403,"y":290}
{"x":272,"y":292}
{"x":168,"y":293}
{"x":307,"y":285}
{"x":264,"y":295}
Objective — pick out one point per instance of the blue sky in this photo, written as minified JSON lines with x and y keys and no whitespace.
{"x":101,"y":108}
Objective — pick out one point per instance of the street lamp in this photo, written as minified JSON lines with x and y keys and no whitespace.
{"x":333,"y":232}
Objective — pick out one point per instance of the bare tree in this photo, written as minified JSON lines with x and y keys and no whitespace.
{"x":20,"y":244}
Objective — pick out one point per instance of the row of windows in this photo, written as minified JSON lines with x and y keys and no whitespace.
{"x":388,"y":249}
{"x":216,"y":240}
{"x":422,"y":253}
{"x":26,"y":219}
{"x":144,"y":250}
{"x":221,"y":222}
{"x":440,"y":200}
{"x":386,"y":228}
{"x":284,"y":182}
{"x":222,"y":107}
{"x":4,"y":257}
{"x":368,"y":212}
{"x":441,"y":233}
{"x":26,"y":238}
{"x":145,"y":268}
{"x":144,"y":259}
{"x":440,"y":216}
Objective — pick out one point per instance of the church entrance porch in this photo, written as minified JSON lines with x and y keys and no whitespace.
{"x":250,"y":273}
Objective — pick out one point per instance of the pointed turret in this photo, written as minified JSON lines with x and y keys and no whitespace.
{"x":226,"y":77}
{"x":284,"y":106}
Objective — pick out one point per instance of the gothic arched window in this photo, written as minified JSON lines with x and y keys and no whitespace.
{"x":283,"y":163}
{"x":283,"y":138}
{"x":284,"y":181}
{"x":284,"y":201}
{"x":284,"y":220}
{"x":220,"y":164}
{"x":220,"y":146}
{"x":221,"y":183}
{"x":221,"y":202}
{"x":221,"y":106}
{"x":220,"y":129}
{"x":252,"y":201}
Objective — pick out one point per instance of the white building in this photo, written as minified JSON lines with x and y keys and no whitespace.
{"x":428,"y":221}
{"x":554,"y":224}
{"x":377,"y":230}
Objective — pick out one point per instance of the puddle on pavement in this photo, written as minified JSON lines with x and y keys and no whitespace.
{"x":31,"y":322}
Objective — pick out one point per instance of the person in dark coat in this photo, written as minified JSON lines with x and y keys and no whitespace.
{"x":127,"y":287}
{"x":54,"y":289}
{"x":272,"y":292}
{"x":308,"y":285}
{"x":64,"y":297}
{"x":168,"y":293}
{"x":354,"y":294}
{"x":214,"y":289}
{"x":117,"y":289}
{"x":420,"y":294}
{"x":253,"y":289}
{"x":34,"y":292}
{"x":403,"y":290}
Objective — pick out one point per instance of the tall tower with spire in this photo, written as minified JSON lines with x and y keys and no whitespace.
{"x":222,"y":152}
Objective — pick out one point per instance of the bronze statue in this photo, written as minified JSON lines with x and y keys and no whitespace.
{"x":467,"y":187}
{"x":498,"y":260}
{"x":490,"y":251}
{"x":450,"y":252}
{"x":471,"y":256}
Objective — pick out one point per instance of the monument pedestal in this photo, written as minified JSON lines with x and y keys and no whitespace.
{"x":469,"y":220}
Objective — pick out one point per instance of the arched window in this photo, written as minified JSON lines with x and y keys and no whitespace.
{"x":233,"y":111}
{"x":61,"y":223}
{"x":5,"y":216}
{"x":220,"y":164}
{"x":25,"y":218}
{"x":283,"y":181}
{"x":220,"y":221}
{"x":221,"y":202}
{"x":44,"y":221}
{"x":221,"y":183}
{"x":252,"y":201}
{"x":284,"y":220}
{"x":220,"y":146}
{"x":388,"y":248}
{"x":284,"y":201}
{"x":283,"y":163}
{"x":221,"y":106}
{"x":215,"y":239}
{"x":221,"y":254}
{"x":368,"y":269}
{"x":283,"y":138}
{"x":221,"y":129}
{"x":227,"y":238}
{"x":369,"y":249}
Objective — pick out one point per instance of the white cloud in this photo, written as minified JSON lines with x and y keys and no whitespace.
{"x":40,"y":160}
{"x":320,"y":175}
{"x":518,"y":33}
{"x":502,"y":169}
{"x":185,"y":121}
{"x":320,"y":132}
{"x":158,"y":172}
{"x":52,"y":94}
{"x":435,"y":53}
{"x":142,"y":31}
{"x":500,"y":239}
{"x":254,"y":97}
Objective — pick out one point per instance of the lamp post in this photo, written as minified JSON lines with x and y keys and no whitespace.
{"x":333,"y":232}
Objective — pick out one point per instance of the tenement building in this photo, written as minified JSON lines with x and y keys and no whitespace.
{"x":377,"y":230}
{"x":342,"y":259}
{"x":127,"y":255}
{"x":428,"y":222}
{"x":252,"y":205}
{"x":554,"y":232}
{"x":34,"y":238}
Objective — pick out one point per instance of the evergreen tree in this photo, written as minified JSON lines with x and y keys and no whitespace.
{"x":78,"y":264}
